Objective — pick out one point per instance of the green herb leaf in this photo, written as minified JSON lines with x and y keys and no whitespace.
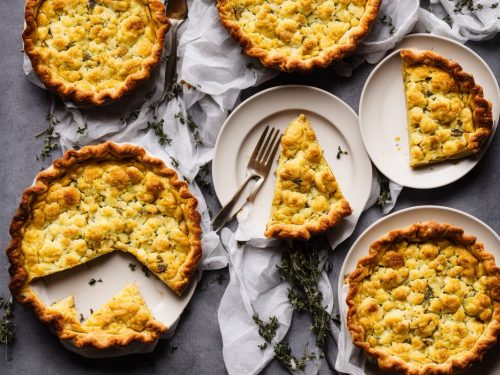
{"x":7,"y":329}
{"x":384,"y":195}
{"x":341,"y":152}
{"x":132,"y":266}
{"x":283,"y":353}
{"x":266,"y":330}
{"x":50,"y":136}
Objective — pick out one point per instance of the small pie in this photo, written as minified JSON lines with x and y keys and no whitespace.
{"x":307,"y":198}
{"x":298,"y":34}
{"x":448,"y":117}
{"x":94,"y":51}
{"x":123,"y":319}
{"x":425,"y":300}
{"x":98,"y":200}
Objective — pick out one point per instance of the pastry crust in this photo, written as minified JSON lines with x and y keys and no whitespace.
{"x":307,"y":198}
{"x":159,"y":193}
{"x":446,"y":279}
{"x":448,"y":116}
{"x":270,"y":33}
{"x":80,"y":59}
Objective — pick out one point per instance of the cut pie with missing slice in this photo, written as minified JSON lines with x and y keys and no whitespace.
{"x":448,"y":117}
{"x":307,"y":198}
{"x":123,"y":319}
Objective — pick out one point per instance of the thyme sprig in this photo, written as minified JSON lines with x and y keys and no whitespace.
{"x":466,"y":4}
{"x":301,"y":266}
{"x":203,"y":178}
{"x":341,"y":152}
{"x":384,"y":195}
{"x":387,"y":21}
{"x":283,"y":353}
{"x":157,"y":126}
{"x":266,"y":330}
{"x":7,"y":330}
{"x":49,"y":144}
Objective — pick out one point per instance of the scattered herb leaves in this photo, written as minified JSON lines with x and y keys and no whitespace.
{"x":238,"y":11}
{"x":466,"y":4}
{"x":7,"y":329}
{"x":203,"y":177}
{"x":93,"y":281}
{"x":145,"y":271}
{"x":456,"y":132}
{"x":82,"y":129}
{"x":157,"y":127}
{"x":283,"y":353}
{"x":175,"y":162}
{"x":266,"y":330}
{"x":132,"y":266}
{"x":387,"y":21}
{"x":341,"y":152}
{"x":50,"y":136}
{"x":82,"y":318}
{"x":384,"y":195}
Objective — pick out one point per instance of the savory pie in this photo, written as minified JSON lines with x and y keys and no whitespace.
{"x":94,"y":51}
{"x":448,"y":117}
{"x":307,"y":198}
{"x":298,"y":34}
{"x":98,"y":200}
{"x":425,"y":300}
{"x":123,"y":319}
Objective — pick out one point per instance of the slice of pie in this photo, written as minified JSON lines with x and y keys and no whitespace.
{"x":425,"y":300}
{"x":448,"y":117}
{"x":298,"y":35}
{"x":307,"y":198}
{"x":123,"y":319}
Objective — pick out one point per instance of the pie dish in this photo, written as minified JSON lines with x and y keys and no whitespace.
{"x":425,"y":300}
{"x":298,"y":35}
{"x":448,"y":116}
{"x":94,"y":51}
{"x":98,"y":200}
{"x":125,"y":318}
{"x":307,"y":198}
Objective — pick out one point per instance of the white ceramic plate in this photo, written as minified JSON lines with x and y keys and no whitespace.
{"x":382,"y":114}
{"x":334,"y":122}
{"x":406,"y":217}
{"x":114,"y":271}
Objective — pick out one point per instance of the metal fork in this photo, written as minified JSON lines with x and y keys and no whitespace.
{"x":258,"y":167}
{"x":176,"y":13}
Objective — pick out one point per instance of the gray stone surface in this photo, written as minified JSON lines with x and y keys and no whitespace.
{"x":198,"y":341}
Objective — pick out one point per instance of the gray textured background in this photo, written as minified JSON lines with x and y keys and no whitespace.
{"x":23,"y":107}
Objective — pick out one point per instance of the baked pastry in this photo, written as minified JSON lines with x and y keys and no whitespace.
{"x":425,"y":300}
{"x":448,"y":117}
{"x":98,"y":200}
{"x":94,"y":51}
{"x":298,"y":34}
{"x":123,"y":319}
{"x":307,"y":198}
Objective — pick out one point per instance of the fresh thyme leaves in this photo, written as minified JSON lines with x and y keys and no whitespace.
{"x":301,"y":266}
{"x":238,"y":11}
{"x":387,"y":21}
{"x":180,"y":116}
{"x":145,"y":271}
{"x":192,"y":125}
{"x":197,"y":138}
{"x":132,"y":266}
{"x":157,"y":127}
{"x":93,"y":281}
{"x":283,"y":353}
{"x":494,"y":6}
{"x":91,"y":311}
{"x":82,"y":129}
{"x":133,"y":115}
{"x":86,"y":56}
{"x":447,"y":19}
{"x":266,"y":330}
{"x":50,"y":136}
{"x":82,"y":318}
{"x":428,"y":294}
{"x":175,"y":162}
{"x":203,"y":177}
{"x":466,"y":4}
{"x":220,"y":279}
{"x":341,"y":152}
{"x":456,"y":132}
{"x":384,"y":195}
{"x":7,"y":330}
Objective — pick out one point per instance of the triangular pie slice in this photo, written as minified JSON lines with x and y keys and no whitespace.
{"x":123,"y":319}
{"x":448,"y":117}
{"x":307,"y":198}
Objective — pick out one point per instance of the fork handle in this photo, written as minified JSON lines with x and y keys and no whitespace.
{"x":224,"y":214}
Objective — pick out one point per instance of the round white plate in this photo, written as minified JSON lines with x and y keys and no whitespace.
{"x":334,"y":122}
{"x":382,"y":114}
{"x":406,"y":217}
{"x":115,"y":272}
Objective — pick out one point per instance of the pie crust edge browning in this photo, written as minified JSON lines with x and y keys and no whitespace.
{"x":88,"y":97}
{"x":425,"y":231}
{"x":481,"y":108}
{"x":287,"y":64}
{"x":105,"y":151}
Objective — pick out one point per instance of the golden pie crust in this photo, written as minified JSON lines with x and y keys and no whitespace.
{"x":94,"y":51}
{"x":426,"y":300}
{"x":448,"y":116}
{"x":98,"y":200}
{"x":298,"y":35}
{"x":307,"y":198}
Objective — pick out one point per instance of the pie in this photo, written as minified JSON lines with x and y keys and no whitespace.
{"x":425,"y":300}
{"x":448,"y":116}
{"x":301,"y":34}
{"x":98,"y":200}
{"x":125,"y":318}
{"x":94,"y":51}
{"x":307,"y":198}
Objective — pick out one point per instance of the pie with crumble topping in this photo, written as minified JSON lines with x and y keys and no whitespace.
{"x":448,"y":117}
{"x":94,"y":51}
{"x":98,"y":200}
{"x":426,"y":299}
{"x":121,"y":320}
{"x":307,"y":198}
{"x":298,"y":35}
